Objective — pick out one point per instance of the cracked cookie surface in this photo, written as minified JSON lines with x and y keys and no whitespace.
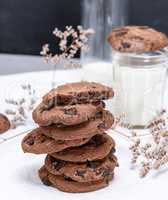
{"x":66,"y":115}
{"x":77,"y":93}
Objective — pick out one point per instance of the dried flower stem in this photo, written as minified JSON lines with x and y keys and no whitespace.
{"x":17,"y":135}
{"x":121,"y":133}
{"x":153,"y":154}
{"x":19,"y":108}
{"x":70,"y":42}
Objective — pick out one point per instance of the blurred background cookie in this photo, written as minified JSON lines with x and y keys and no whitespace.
{"x":4,"y":123}
{"x":138,"y":39}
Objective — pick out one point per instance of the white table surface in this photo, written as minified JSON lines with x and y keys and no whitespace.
{"x":18,"y":171}
{"x":11,"y":63}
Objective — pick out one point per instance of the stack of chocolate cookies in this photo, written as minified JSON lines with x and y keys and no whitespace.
{"x":72,"y":122}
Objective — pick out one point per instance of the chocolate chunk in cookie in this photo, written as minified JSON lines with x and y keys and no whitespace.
{"x":137,"y":39}
{"x":89,"y":151}
{"x":77,"y":93}
{"x":43,"y":175}
{"x":97,"y":125}
{"x":36,"y":142}
{"x":66,"y":115}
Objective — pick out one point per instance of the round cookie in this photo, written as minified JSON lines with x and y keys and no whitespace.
{"x":66,"y":184}
{"x":85,"y":130}
{"x":4,"y":123}
{"x":36,"y":142}
{"x":77,"y":93}
{"x":96,"y":149}
{"x":137,"y":39}
{"x":66,"y":115}
{"x":82,"y":172}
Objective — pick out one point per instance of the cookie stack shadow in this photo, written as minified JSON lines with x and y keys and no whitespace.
{"x":72,"y":132}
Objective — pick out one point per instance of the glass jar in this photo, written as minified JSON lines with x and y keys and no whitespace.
{"x":140,"y":84}
{"x":102,"y":16}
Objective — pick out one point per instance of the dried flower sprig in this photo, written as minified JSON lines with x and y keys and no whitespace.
{"x":20,"y":108}
{"x":120,"y":121}
{"x":149,"y":153}
{"x":70,"y":42}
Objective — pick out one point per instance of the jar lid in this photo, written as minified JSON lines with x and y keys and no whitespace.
{"x":141,"y":60}
{"x":137,"y":39}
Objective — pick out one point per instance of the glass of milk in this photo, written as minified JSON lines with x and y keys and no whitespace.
{"x":139,"y":81}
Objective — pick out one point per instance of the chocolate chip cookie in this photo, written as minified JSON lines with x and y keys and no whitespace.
{"x":137,"y":39}
{"x":4,"y":123}
{"x":66,"y":184}
{"x":98,"y":125}
{"x":66,"y":115}
{"x":77,"y":93}
{"x":82,"y":172}
{"x":96,"y":149}
{"x":36,"y":142}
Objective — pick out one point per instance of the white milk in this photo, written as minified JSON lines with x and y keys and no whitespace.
{"x":98,"y":71}
{"x":139,"y":92}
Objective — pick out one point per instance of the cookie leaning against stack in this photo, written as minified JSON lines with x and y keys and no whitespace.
{"x":73,"y":121}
